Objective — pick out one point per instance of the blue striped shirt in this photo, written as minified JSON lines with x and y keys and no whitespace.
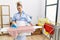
{"x":23,"y":17}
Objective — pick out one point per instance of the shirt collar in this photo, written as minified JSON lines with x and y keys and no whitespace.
{"x":22,"y":12}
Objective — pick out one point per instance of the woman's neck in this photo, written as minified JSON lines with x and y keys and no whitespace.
{"x":20,"y":13}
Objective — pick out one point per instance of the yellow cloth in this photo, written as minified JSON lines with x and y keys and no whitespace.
{"x":41,"y":21}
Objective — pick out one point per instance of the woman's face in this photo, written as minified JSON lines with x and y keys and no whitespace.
{"x":19,"y":8}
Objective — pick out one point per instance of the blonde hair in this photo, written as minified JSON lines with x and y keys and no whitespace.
{"x":19,"y":4}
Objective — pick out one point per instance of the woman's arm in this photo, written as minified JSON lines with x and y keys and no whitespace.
{"x":13,"y":22}
{"x":31,"y":24}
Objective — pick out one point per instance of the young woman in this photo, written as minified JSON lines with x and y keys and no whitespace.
{"x":20,"y":16}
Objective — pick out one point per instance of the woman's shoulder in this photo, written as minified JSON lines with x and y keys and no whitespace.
{"x":16,"y":13}
{"x":28,"y":16}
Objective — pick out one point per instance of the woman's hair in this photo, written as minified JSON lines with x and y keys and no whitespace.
{"x":19,"y":4}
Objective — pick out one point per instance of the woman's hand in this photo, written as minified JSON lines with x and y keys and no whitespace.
{"x":31,"y":24}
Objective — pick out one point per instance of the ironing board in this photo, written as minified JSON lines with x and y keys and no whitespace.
{"x":6,"y":29}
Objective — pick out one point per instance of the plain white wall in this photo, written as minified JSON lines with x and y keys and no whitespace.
{"x":35,"y":8}
{"x":59,"y":13}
